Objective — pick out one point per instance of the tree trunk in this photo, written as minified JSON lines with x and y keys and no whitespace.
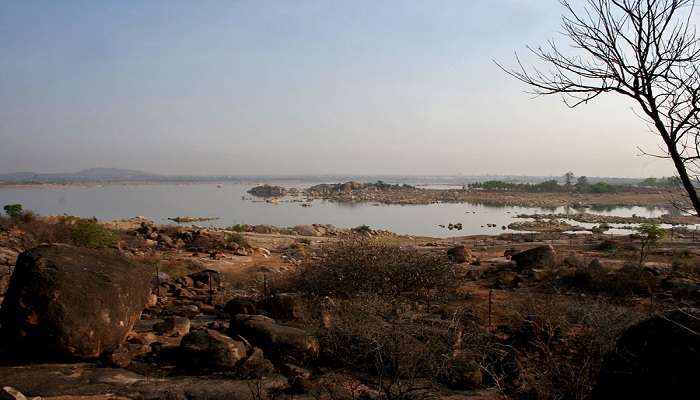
{"x":685,"y":179}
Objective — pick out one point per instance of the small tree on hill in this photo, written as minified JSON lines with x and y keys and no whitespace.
{"x":650,"y":234}
{"x":13,"y":210}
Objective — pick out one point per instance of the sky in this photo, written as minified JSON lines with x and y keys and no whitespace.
{"x":296,"y":87}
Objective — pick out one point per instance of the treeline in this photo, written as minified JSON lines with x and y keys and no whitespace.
{"x":574,"y":184}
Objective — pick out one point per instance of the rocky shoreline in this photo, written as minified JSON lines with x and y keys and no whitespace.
{"x":382,"y":193}
{"x":220,"y":313}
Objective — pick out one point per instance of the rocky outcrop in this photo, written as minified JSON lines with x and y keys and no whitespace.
{"x":656,"y":359}
{"x":70,"y":301}
{"x":268,"y":191}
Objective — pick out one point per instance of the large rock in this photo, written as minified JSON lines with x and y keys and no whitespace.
{"x":305,"y":230}
{"x":71,"y":301}
{"x":206,"y":348}
{"x":280,"y":341}
{"x":240,"y":305}
{"x":656,"y":359}
{"x":535,"y":258}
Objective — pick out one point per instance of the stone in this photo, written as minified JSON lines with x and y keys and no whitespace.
{"x":152,"y":300}
{"x":185,"y":281}
{"x":240,"y":305}
{"x":204,"y":276}
{"x":573,"y":261}
{"x":682,"y":288}
{"x":280,"y":341}
{"x":459,"y":254}
{"x":305,"y":230}
{"x":657,"y":358}
{"x":122,"y":356}
{"x":256,"y":365}
{"x":535,"y":258}
{"x":70,"y":301}
{"x":298,"y":379}
{"x":206,"y":348}
{"x":10,"y":393}
{"x":173,"y":326}
{"x":187,"y":310}
{"x":507,"y":280}
{"x":8,"y":256}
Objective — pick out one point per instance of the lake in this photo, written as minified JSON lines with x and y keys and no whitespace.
{"x":232,"y":205}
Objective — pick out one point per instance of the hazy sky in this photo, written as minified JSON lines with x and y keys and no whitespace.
{"x":294,"y":86}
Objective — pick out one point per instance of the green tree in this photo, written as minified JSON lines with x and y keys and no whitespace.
{"x":13,"y":210}
{"x":582,"y":184}
{"x":649,"y":234}
{"x":568,"y":180}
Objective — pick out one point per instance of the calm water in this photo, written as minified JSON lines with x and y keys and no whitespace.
{"x":161,"y":201}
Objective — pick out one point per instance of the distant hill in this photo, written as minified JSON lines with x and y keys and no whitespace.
{"x":86,"y":175}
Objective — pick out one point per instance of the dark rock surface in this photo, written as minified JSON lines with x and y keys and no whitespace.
{"x":69,"y":301}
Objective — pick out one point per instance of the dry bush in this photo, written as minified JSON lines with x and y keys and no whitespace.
{"x":686,"y":266}
{"x":238,"y":239}
{"x":176,"y":268}
{"x":405,"y":352}
{"x":630,"y":280}
{"x":562,"y":342}
{"x":346,"y":268}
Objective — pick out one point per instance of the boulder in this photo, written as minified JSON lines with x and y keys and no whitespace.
{"x":305,"y":230}
{"x":256,"y":365}
{"x":206,"y":348}
{"x":298,"y":379}
{"x":459,"y":254}
{"x":682,"y":288}
{"x":70,"y":301}
{"x":10,"y":393}
{"x":187,"y":310}
{"x":8,"y":256}
{"x":240,"y":305}
{"x":280,"y":341}
{"x":538,"y":257}
{"x":204,"y":277}
{"x":657,"y":358}
{"x":173,"y":326}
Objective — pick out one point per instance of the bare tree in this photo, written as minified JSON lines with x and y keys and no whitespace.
{"x":646,"y":50}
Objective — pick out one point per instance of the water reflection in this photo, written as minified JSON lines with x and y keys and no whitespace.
{"x":232,"y":205}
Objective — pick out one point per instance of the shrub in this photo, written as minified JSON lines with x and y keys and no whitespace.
{"x":566,"y":340}
{"x":400,"y":347}
{"x":349,"y":267}
{"x":91,"y":234}
{"x":238,"y":239}
{"x":13,"y":210}
{"x":362,"y":229}
{"x":240,"y":228}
